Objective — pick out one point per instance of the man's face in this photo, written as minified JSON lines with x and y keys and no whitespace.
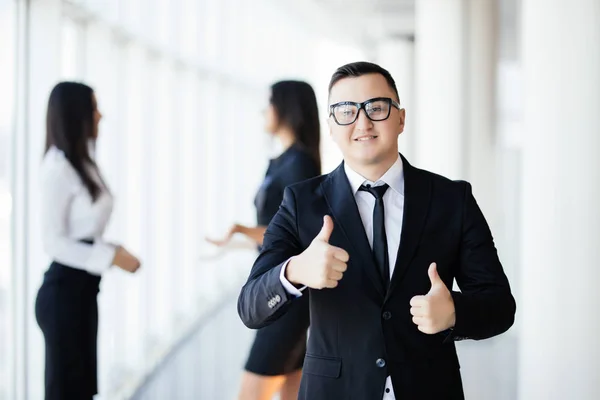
{"x":366,"y":142}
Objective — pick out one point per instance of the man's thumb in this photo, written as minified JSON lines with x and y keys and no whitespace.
{"x":434,"y":277}
{"x":326,"y":230}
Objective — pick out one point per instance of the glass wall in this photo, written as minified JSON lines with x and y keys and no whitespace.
{"x":182,"y":85}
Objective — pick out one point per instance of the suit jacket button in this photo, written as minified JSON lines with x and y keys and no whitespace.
{"x":387,"y":315}
{"x":380,"y":362}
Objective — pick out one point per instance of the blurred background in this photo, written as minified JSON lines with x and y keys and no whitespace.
{"x":502,"y":93}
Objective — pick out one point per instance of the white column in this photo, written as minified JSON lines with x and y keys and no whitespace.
{"x":440,"y":86}
{"x":455,"y":74}
{"x":559,"y":306}
{"x":480,"y":75}
{"x":397,"y":56}
{"x":39,"y":69}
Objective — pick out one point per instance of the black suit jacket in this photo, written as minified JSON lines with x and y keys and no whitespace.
{"x":361,"y":333}
{"x":292,"y":166}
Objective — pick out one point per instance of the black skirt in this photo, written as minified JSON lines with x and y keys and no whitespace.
{"x":279,"y":348}
{"x":66,"y":310}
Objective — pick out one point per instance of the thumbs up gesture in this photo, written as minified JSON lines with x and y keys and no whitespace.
{"x":433,"y":312}
{"x":321,"y":265}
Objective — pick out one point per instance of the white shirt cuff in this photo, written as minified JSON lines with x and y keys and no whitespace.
{"x":291,"y":289}
{"x":101,"y":257}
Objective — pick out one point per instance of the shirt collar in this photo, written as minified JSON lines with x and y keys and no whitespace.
{"x":91,"y":144}
{"x":394,"y":177}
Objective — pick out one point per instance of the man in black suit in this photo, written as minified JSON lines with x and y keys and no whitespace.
{"x":378,"y":243}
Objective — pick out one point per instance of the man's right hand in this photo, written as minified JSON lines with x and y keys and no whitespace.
{"x":321,"y":265}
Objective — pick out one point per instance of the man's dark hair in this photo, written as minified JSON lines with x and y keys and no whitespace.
{"x":356,"y":69}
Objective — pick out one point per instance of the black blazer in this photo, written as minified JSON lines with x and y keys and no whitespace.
{"x":293,"y":165}
{"x":360,"y":333}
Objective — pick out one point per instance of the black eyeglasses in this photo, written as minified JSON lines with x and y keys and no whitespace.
{"x":377,"y":109}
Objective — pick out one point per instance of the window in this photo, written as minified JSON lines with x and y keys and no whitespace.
{"x":181,"y":85}
{"x":72,"y":42}
{"x":7,"y":79}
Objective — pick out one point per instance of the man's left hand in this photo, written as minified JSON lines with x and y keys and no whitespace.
{"x":433,"y":312}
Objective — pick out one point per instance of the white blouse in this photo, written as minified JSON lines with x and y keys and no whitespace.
{"x":69,"y":215}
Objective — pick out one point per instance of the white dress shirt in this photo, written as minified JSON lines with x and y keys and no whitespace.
{"x":393,"y":203}
{"x":68,"y":215}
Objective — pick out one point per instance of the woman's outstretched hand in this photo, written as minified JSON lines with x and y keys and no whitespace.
{"x":235,"y":228}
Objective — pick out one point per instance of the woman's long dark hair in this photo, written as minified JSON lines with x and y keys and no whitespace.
{"x":69,"y":126}
{"x":296,"y":106}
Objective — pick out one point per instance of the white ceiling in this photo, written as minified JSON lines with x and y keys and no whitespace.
{"x":390,"y":6}
{"x":375,"y":19}
{"x":364,"y":22}
{"x":361,"y":22}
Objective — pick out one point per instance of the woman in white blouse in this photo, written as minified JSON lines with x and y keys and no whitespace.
{"x":76,"y":207}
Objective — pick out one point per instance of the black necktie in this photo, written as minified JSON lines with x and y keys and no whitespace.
{"x":380,"y":248}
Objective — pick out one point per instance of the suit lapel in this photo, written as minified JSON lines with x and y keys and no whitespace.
{"x":341,"y":202}
{"x":417,"y":196}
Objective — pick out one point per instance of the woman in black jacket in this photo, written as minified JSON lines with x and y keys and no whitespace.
{"x":276,"y":358}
